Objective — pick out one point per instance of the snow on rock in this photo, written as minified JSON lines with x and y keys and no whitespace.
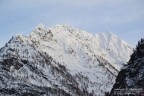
{"x":63,"y":60}
{"x":131,"y":77}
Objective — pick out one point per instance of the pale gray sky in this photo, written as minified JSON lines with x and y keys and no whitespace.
{"x":125,"y":18}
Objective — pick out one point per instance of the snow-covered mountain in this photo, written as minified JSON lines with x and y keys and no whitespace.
{"x":61,"y":60}
{"x":131,"y":77}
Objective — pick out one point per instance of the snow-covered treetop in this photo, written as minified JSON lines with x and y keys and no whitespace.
{"x":140,"y":46}
{"x":18,"y":38}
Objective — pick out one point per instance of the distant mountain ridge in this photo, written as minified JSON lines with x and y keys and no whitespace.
{"x":61,"y":60}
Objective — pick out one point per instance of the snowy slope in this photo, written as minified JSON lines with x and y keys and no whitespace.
{"x":64,"y":58}
{"x":66,"y":38}
{"x":114,"y":49}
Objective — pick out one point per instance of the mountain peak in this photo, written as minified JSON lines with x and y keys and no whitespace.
{"x":63,"y":27}
{"x":40,"y":26}
{"x":40,"y":29}
{"x":108,"y":35}
{"x":61,"y":58}
{"x":17,"y":37}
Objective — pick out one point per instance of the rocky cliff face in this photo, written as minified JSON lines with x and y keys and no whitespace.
{"x":61,"y":61}
{"x":131,"y":77}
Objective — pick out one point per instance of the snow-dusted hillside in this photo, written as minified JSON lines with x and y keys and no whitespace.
{"x":61,"y":60}
{"x":131,"y":78}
